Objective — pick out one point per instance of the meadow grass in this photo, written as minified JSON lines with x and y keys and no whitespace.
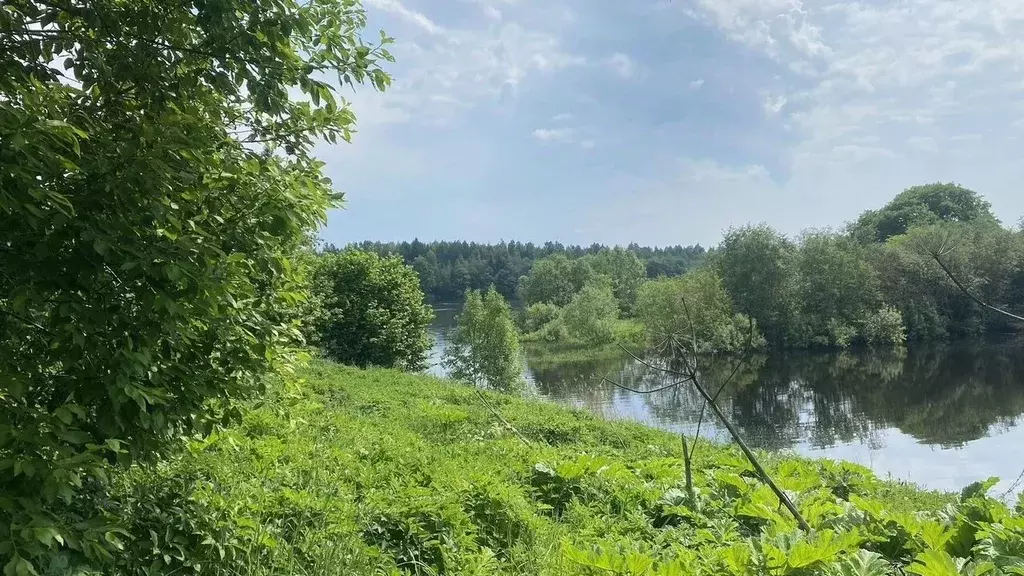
{"x":346,"y":471}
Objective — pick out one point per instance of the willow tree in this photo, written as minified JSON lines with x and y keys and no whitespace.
{"x":156,"y":182}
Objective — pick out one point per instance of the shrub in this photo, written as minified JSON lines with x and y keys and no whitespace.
{"x":373,"y":311}
{"x":841,"y":334}
{"x":590,"y":316}
{"x":539,"y":315}
{"x":885,"y":327}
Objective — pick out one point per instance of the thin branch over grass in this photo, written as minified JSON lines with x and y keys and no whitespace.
{"x":691,"y":373}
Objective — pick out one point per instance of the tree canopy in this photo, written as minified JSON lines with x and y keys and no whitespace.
{"x":448,"y":269}
{"x":156,"y":182}
{"x":921,"y":206}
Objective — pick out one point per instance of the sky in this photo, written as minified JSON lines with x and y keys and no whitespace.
{"x":666,"y":122}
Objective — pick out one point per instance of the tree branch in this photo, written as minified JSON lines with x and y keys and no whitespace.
{"x":502,"y":419}
{"x":949,"y":273}
{"x":690,"y":374}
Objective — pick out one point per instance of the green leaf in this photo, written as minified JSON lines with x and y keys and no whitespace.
{"x":934,"y":563}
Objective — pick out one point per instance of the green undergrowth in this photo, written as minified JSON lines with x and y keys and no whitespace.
{"x":544,"y":355}
{"x":346,"y":471}
{"x":628,"y":333}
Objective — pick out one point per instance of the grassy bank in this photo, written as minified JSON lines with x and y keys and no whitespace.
{"x":379,"y":472}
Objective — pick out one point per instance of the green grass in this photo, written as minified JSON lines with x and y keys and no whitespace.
{"x":346,"y":471}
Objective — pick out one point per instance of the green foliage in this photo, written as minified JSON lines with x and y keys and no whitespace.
{"x":484,"y":347}
{"x":757,"y":268}
{"x":555,"y":280}
{"x":380,"y":472}
{"x":984,"y":257}
{"x":157,"y":184}
{"x":590,"y":317}
{"x":836,"y":289}
{"x":885,"y":327}
{"x":537,"y":316}
{"x":921,"y":206}
{"x":667,"y":306}
{"x":448,"y":269}
{"x":371,"y":311}
{"x":626,"y":272}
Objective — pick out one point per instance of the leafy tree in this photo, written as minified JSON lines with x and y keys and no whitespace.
{"x":694,"y":306}
{"x":555,"y":280}
{"x":157,"y":181}
{"x":921,"y":206}
{"x":373,"y":311}
{"x":836,"y":287}
{"x":484,"y":347}
{"x":982,"y":255}
{"x":626,"y":272}
{"x":590,"y":317}
{"x":756,"y":265}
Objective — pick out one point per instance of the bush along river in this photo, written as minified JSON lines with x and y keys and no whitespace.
{"x":939,"y":415}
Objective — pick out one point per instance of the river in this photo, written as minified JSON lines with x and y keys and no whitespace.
{"x":939,"y":415}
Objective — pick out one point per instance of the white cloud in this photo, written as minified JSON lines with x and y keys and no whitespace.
{"x":442,"y":71}
{"x":622,"y":65}
{"x":774,"y":104}
{"x":563,"y":136}
{"x":553,"y":134}
{"x":830,"y":108}
{"x":882,"y":71}
{"x":412,"y":16}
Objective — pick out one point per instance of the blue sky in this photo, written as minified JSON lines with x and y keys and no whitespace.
{"x":668,"y":121}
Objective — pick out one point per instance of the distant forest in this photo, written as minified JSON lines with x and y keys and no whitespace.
{"x":448,"y":269}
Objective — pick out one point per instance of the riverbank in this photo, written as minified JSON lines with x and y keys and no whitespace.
{"x":349,"y":471}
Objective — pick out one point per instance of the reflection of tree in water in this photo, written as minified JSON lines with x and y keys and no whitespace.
{"x":946,"y":394}
{"x":941,"y":394}
{"x":578,"y":382}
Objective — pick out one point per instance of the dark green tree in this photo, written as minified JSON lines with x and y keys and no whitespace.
{"x":372,"y":311}
{"x":921,"y":206}
{"x":836,"y":289}
{"x":757,"y":267}
{"x":156,"y":181}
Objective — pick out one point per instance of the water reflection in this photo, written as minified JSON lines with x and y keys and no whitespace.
{"x":941,"y":415}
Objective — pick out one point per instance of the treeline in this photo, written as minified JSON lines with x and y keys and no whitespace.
{"x":448,"y":269}
{"x":878,"y":281}
{"x":881,"y":274}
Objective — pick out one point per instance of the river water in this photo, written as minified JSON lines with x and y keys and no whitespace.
{"x":940,"y":415}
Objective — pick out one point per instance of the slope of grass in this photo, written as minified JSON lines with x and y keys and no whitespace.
{"x":345,"y":471}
